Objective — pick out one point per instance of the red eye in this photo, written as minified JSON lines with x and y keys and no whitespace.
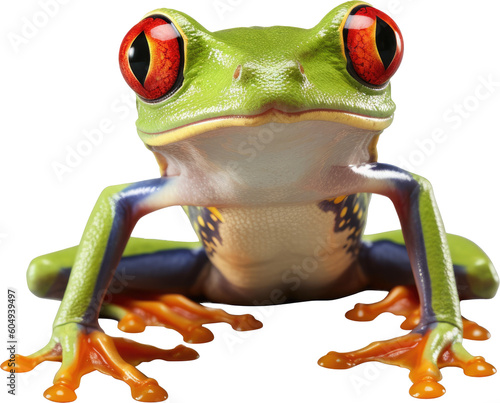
{"x":151,"y":58}
{"x":373,"y":45}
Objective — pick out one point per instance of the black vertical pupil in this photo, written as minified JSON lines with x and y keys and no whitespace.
{"x":139,"y":57}
{"x":386,"y":42}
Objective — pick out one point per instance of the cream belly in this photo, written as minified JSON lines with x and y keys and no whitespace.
{"x":289,"y":251}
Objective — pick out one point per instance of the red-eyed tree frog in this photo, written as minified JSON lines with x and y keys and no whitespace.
{"x":268,"y":137}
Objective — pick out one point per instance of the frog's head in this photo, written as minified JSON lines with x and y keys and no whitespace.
{"x":327,"y":85}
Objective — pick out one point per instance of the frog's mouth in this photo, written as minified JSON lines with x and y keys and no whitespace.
{"x":272,"y":115}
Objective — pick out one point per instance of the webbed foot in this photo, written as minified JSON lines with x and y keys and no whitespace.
{"x":404,"y":301}
{"x":176,"y":312}
{"x":422,"y":352}
{"x":82,"y":350}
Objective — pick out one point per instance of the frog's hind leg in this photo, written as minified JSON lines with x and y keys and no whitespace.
{"x":155,"y":284}
{"x":385,"y":261}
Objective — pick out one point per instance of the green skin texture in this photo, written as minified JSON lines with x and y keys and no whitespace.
{"x":444,"y":294}
{"x":319,"y":49}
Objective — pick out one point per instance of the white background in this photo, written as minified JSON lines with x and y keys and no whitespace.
{"x":65,"y":80}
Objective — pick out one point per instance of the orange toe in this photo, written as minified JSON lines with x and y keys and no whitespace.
{"x":27,"y":363}
{"x":198,"y":335}
{"x":336,"y":360}
{"x":473,"y":331}
{"x":60,"y":392}
{"x":149,"y":391}
{"x":132,"y":323}
{"x":22,"y":364}
{"x":427,"y":389}
{"x":479,"y":367}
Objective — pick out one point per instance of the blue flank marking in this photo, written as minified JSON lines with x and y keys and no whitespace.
{"x":350,"y":220}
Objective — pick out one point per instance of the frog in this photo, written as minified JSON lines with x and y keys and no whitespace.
{"x":268,"y":138}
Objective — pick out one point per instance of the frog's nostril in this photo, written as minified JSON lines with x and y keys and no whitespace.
{"x":237,"y":72}
{"x":301,"y":68}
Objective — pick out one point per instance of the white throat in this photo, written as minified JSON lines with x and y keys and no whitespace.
{"x":267,"y":163}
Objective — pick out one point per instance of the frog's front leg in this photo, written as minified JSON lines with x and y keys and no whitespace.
{"x":437,"y":340}
{"x":77,"y":340}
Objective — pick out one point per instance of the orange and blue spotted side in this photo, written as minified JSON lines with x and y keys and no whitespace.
{"x":205,"y":222}
{"x":350,"y":214}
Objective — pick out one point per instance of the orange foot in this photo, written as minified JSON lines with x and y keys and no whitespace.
{"x":423,"y":354}
{"x":403,"y":300}
{"x":175,"y":312}
{"x":82,"y":350}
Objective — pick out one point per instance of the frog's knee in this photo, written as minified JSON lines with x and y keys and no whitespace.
{"x":483,"y":279}
{"x":41,"y":275}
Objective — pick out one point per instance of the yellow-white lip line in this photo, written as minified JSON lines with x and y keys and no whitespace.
{"x":269,"y":116}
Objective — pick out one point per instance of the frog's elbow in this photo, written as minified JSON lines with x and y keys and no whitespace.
{"x":423,"y":184}
{"x":41,"y":275}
